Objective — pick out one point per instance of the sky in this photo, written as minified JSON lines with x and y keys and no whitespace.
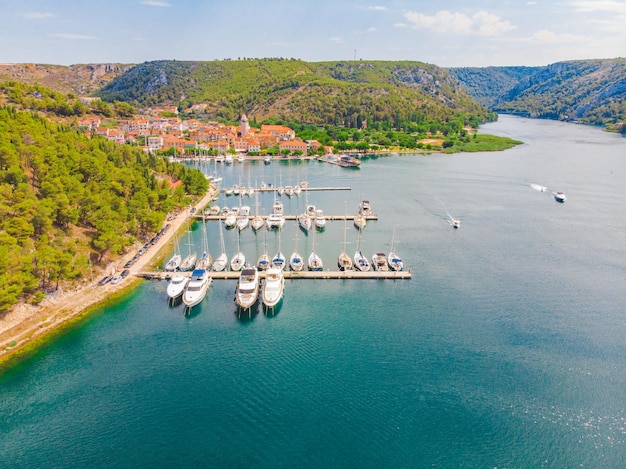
{"x":448,"y":33}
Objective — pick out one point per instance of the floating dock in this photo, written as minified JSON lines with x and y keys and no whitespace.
{"x":287,"y":217}
{"x":303,"y":189}
{"x":289,"y":274}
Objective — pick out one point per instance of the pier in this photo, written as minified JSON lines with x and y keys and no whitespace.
{"x":289,"y":274}
{"x":287,"y":217}
{"x":303,"y":189}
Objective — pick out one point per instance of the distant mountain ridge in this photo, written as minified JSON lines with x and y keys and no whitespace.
{"x":588,"y":91}
{"x":346,"y":93}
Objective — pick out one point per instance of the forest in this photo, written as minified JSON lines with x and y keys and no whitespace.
{"x":69,"y":203}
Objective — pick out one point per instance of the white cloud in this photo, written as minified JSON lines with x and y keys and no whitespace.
{"x":482,"y":23}
{"x":400,"y":25}
{"x":155,"y":3}
{"x":549,"y":37}
{"x":73,"y":37}
{"x":336,"y":40}
{"x":377,"y":8}
{"x":35,"y":15}
{"x":611,"y":6}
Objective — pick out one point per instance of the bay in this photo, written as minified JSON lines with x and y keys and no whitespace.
{"x":505,"y":349}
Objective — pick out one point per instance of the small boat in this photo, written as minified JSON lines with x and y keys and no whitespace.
{"x":228,"y":191}
{"x":273,"y":287}
{"x":264,"y":261}
{"x":247,"y":288}
{"x":230,"y":220}
{"x":275,"y":221}
{"x":267,"y":160}
{"x":205,"y":261}
{"x":237,"y":262}
{"x":344,"y":261}
{"x":173,"y":263}
{"x":348,"y":161}
{"x":177,"y":286}
{"x":196,"y":288}
{"x":304,"y":222}
{"x":214,"y":210}
{"x":395,"y":261}
{"x":320,"y":220}
{"x":278,"y":261}
{"x":188,"y":263}
{"x":243,"y":219}
{"x":379,"y":262}
{"x":221,"y":261}
{"x":559,"y":196}
{"x":315,"y":262}
{"x":220,"y":159}
{"x":456,"y":223}
{"x":365,"y":208}
{"x":360,"y":221}
{"x":295,"y":260}
{"x":228,"y":159}
{"x":310,"y":210}
{"x":297,"y":190}
{"x":360,"y":261}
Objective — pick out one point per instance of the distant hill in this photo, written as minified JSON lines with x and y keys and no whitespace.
{"x":81,"y":80}
{"x":588,"y":91}
{"x":336,"y":93}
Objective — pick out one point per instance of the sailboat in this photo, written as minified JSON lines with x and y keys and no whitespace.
{"x":243,"y":219}
{"x":257,"y":222}
{"x":221,"y":261}
{"x":247,"y":288}
{"x":295,"y":260}
{"x":314,"y":261}
{"x":263,"y":262}
{"x":360,"y":261}
{"x":175,"y":260}
{"x":189,"y":262}
{"x":239,"y":259}
{"x":278,"y":261}
{"x":360,"y":221}
{"x":205,"y":259}
{"x":344,"y":262}
{"x":395,"y":261}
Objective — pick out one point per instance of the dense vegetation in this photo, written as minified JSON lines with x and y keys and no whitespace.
{"x":587,"y":91}
{"x":68,"y":202}
{"x":344,"y":94}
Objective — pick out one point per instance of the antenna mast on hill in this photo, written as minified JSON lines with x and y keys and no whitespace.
{"x":354,"y":54}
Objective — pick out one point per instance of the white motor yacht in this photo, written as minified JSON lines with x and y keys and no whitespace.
{"x":196,"y":288}
{"x":273,"y":286}
{"x":177,"y":286}
{"x":247,"y":288}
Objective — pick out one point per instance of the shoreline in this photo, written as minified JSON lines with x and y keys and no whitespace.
{"x":26,"y":329}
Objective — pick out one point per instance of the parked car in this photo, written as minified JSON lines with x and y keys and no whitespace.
{"x":125,"y":273}
{"x":105,"y":280}
{"x":116,"y":279}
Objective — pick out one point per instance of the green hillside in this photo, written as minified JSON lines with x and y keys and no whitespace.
{"x":587,"y":91}
{"x":335,"y":93}
{"x":67,"y":201}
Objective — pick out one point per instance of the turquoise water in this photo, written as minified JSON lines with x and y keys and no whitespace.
{"x":505,"y":349}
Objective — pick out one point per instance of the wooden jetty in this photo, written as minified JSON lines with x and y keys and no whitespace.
{"x":308,"y":189}
{"x":288,"y":274}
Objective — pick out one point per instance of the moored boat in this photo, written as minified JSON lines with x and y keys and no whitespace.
{"x":360,"y":221}
{"x":379,"y":262}
{"x":320,"y":219}
{"x":273,"y":286}
{"x":173,"y":263}
{"x":196,"y":288}
{"x":395,"y":261}
{"x":176,"y":286}
{"x":247,"y":288}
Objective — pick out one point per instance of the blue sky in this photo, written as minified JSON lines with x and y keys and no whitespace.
{"x":448,"y":33}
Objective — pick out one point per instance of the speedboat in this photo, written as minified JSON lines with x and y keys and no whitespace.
{"x":196,"y":288}
{"x":379,"y":262}
{"x":273,"y":286}
{"x":320,"y":220}
{"x":456,"y":224}
{"x":247,"y":288}
{"x":365,"y":208}
{"x":559,"y":196}
{"x":177,"y":285}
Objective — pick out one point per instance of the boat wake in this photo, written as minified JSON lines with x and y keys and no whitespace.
{"x":538,"y":187}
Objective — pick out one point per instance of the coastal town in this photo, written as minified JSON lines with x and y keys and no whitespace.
{"x":183,"y":136}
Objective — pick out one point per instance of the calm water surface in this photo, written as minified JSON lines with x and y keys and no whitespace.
{"x":507,"y":348}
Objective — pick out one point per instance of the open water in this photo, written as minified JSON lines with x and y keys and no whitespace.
{"x":506,"y":349}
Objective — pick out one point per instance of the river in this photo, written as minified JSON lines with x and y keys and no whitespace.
{"x":505,"y":349}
